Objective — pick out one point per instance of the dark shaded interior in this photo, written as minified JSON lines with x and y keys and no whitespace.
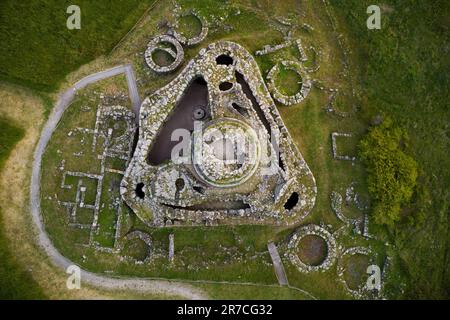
{"x":140,"y":190}
{"x":135,"y":140}
{"x":213,"y":205}
{"x":179,"y":183}
{"x":292,"y":201}
{"x":239,"y":109}
{"x":249,"y":94}
{"x":280,"y":161}
{"x":182,"y":116}
{"x":224,"y":59}
{"x":224,"y":86}
{"x":199,"y":189}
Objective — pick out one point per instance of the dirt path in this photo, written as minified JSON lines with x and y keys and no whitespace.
{"x":141,"y":285}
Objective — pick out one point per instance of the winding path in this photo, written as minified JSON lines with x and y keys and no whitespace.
{"x":177,"y":288}
{"x":141,"y":285}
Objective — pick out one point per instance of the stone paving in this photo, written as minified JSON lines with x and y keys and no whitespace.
{"x":277,"y":264}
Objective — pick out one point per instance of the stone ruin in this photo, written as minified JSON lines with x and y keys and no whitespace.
{"x":336,"y":155}
{"x":181,"y":38}
{"x":154,"y":45}
{"x":112,"y":139}
{"x":235,"y":163}
{"x":305,"y":81}
{"x":312,"y":230}
{"x":144,"y":237}
{"x":173,"y":42}
{"x":362,"y":291}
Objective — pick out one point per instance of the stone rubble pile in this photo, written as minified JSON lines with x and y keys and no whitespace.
{"x":270,"y":49}
{"x":303,"y":56}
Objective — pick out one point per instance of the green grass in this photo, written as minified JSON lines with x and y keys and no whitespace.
{"x":355,"y":270}
{"x":347,"y":146}
{"x":189,"y":26}
{"x":288,"y":81}
{"x":39,"y":51}
{"x":136,"y":249}
{"x":15,"y":281}
{"x":10,"y":134}
{"x":250,"y":292}
{"x":107,"y":215}
{"x":404,"y":69}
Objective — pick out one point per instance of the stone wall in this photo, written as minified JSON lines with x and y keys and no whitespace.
{"x":317,"y":231}
{"x":285,"y":99}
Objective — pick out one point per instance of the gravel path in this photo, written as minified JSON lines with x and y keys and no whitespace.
{"x":141,"y":285}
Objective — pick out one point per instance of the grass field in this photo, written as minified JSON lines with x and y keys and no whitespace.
{"x":10,"y":134}
{"x":17,"y":282}
{"x":41,"y":50}
{"x":404,"y":69}
{"x":400,"y":71}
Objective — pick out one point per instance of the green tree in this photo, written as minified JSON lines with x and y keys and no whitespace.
{"x":392,"y":173}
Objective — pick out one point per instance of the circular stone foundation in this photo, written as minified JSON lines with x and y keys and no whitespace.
{"x":355,"y":271}
{"x":226,"y":153}
{"x":137,"y":246}
{"x":289,"y":99}
{"x":153,"y":45}
{"x":352,"y":269}
{"x":135,"y":249}
{"x":312,"y":248}
{"x":193,"y":40}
